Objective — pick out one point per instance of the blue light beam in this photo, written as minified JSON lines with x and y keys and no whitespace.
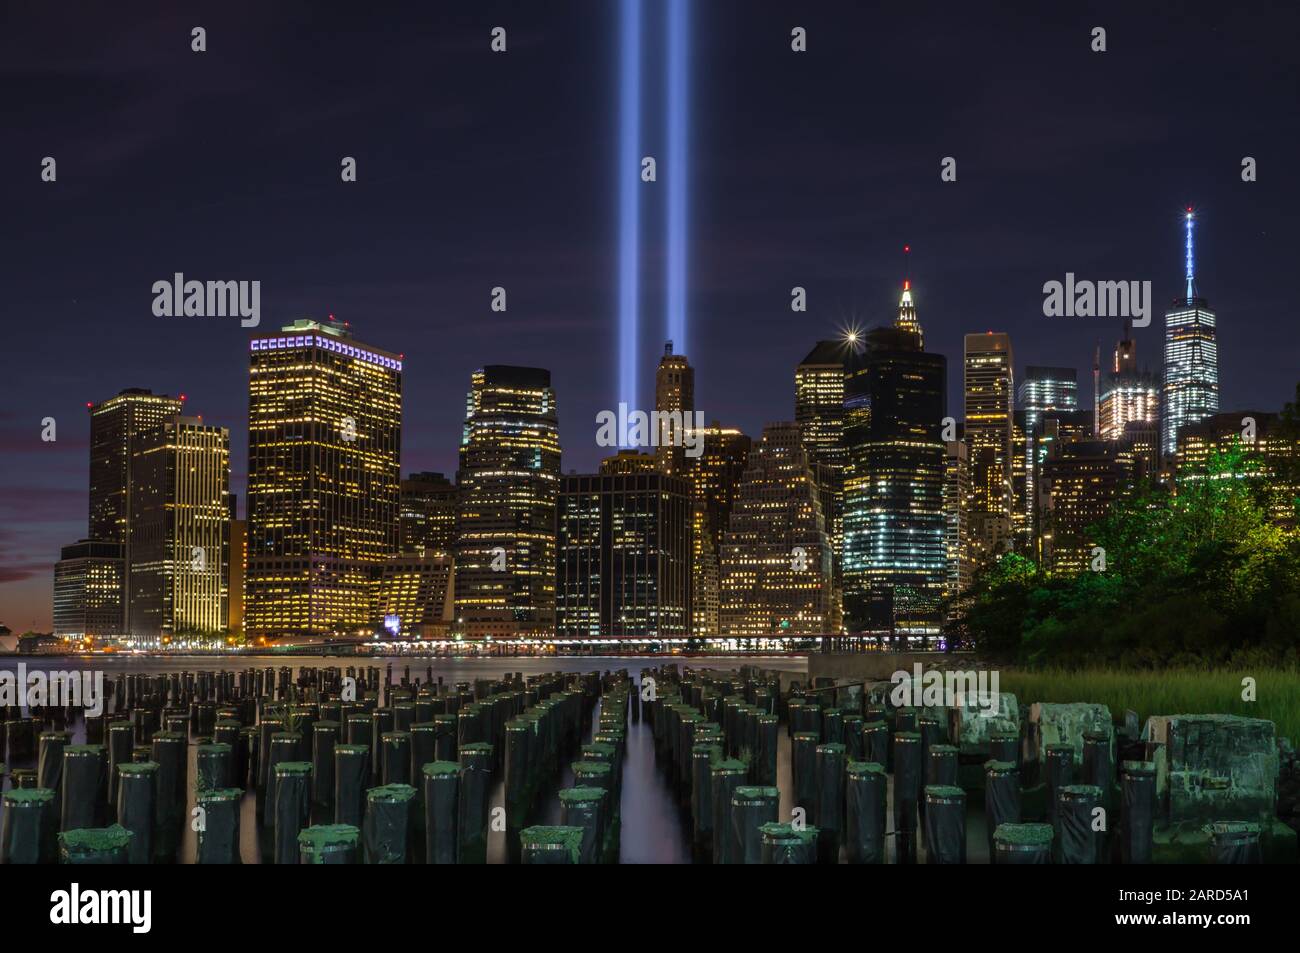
{"x":677,"y":176}
{"x":629,"y":199}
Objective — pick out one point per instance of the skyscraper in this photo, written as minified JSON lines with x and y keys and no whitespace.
{"x":715,"y":475}
{"x":675,"y":397}
{"x":895,"y":560}
{"x":1047,"y":388}
{"x":956,"y":502}
{"x":1021,"y":482}
{"x":324,"y":456}
{"x":819,"y":411}
{"x":1191,"y":384}
{"x":427,"y":516}
{"x":1128,"y":395}
{"x":907,"y":319}
{"x":116,"y":427}
{"x":819,"y":400}
{"x":1080,"y":481}
{"x":989,"y":387}
{"x":624,"y":563}
{"x":1055,"y":428}
{"x":509,"y":482}
{"x":1043,"y":389}
{"x":776,"y":565}
{"x":179,"y":543}
{"x":238,"y":557}
{"x":706,"y":575}
{"x":89,"y":579}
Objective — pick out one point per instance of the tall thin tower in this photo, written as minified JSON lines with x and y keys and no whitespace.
{"x":907,"y":319}
{"x":1191,"y":384}
{"x":989,"y":388}
{"x":674,"y":395}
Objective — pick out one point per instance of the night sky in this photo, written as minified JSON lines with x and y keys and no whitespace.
{"x":478,"y":169}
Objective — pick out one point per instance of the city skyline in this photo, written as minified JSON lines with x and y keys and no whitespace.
{"x":1021,"y":398}
{"x":1023,"y":211}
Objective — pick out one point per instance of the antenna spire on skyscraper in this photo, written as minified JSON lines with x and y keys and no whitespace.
{"x":1191,"y":260}
{"x":907,"y":319}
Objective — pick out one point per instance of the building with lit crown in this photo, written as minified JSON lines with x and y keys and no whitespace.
{"x":1191,"y":381}
{"x":324,"y":457}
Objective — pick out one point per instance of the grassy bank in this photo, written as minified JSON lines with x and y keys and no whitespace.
{"x":1168,"y":692}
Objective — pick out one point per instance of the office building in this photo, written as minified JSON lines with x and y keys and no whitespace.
{"x":509,"y":481}
{"x":324,"y":456}
{"x":89,"y":580}
{"x":624,"y":557}
{"x":1191,"y":381}
{"x":776,"y":564}
{"x":989,"y":388}
{"x":427,"y":515}
{"x":179,"y":544}
{"x":895,"y":559}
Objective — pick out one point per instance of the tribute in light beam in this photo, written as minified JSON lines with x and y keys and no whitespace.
{"x":629,"y":199}
{"x":676,"y":178}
